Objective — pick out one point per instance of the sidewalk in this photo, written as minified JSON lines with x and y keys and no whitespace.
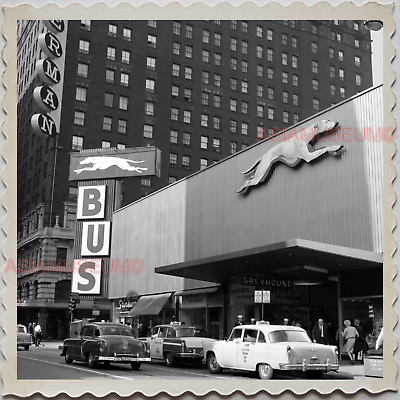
{"x":56,"y":345}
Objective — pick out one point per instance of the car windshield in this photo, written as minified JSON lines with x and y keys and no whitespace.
{"x":288,"y":336}
{"x":190,"y":332}
{"x":21,"y":329}
{"x":116,"y":330}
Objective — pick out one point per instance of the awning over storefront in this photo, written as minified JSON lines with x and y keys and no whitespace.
{"x":197,"y":291}
{"x":149,"y":305}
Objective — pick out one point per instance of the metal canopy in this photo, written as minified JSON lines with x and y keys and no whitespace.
{"x":293,"y":259}
{"x":150,"y":305}
{"x":197,"y":291}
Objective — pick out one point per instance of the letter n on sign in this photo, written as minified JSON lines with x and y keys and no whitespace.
{"x":95,"y":239}
{"x":86,"y":276}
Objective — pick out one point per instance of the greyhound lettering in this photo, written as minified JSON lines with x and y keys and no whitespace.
{"x":291,"y":152}
{"x":102,"y":163}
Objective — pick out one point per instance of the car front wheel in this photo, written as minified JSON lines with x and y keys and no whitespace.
{"x":169,"y":359}
{"x":135,"y":365}
{"x":26,"y":347}
{"x":91,"y":361}
{"x":67,"y":358}
{"x":265,"y":371}
{"x":212,"y":364}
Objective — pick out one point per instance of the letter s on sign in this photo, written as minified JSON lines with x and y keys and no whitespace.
{"x":90,"y":278}
{"x":86,"y":276}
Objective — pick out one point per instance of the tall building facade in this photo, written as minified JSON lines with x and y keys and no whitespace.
{"x":197,"y":90}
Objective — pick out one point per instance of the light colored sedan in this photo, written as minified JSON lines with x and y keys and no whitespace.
{"x":265,"y":348}
{"x":24,"y":339}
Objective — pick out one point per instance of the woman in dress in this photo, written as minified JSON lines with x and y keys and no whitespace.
{"x":349,"y":334}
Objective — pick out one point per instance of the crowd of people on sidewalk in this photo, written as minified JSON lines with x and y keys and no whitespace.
{"x":36,"y":331}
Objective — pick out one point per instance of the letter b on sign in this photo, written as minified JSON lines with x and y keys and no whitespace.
{"x":91,"y":202}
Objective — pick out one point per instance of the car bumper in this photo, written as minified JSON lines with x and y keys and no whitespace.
{"x":123,"y":358}
{"x":309,"y":367}
{"x":195,"y":356}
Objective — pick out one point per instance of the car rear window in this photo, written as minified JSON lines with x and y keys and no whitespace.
{"x":288,"y":336}
{"x":190,"y":332}
{"x":21,"y":329}
{"x":116,"y":330}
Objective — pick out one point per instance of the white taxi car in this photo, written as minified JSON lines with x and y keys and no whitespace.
{"x":264,"y":348}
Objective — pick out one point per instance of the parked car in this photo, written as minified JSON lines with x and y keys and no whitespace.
{"x":108,"y":343}
{"x":24,"y":339}
{"x":265,"y":348}
{"x":177,"y":342}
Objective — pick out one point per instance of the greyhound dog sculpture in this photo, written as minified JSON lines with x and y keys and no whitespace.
{"x":291,"y":152}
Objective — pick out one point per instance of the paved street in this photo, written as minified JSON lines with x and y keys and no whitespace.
{"x":44,"y":362}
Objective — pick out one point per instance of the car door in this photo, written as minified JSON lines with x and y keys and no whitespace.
{"x":75,"y":345}
{"x":159,"y":342}
{"x":229,"y":349}
{"x":246,"y":349}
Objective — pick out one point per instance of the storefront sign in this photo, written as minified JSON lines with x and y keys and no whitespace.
{"x":126,"y":304}
{"x":86,"y":276}
{"x":265,"y":282}
{"x":194,"y":300}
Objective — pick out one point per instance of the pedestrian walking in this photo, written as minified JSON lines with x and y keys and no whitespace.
{"x":285,"y":321}
{"x":360,"y":346}
{"x":253,"y":321}
{"x":37,"y":334}
{"x":320,"y":332}
{"x":349,"y":334}
{"x":240,"y":320}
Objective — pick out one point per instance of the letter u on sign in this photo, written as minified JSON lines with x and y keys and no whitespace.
{"x":91,"y":202}
{"x":95,"y":238}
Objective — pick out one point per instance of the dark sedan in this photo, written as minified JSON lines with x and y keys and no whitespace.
{"x":108,"y":343}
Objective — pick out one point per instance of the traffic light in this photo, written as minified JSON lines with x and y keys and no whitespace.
{"x":72,"y":305}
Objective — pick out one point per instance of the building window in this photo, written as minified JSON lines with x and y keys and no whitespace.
{"x":314,"y":47}
{"x":189,"y":31}
{"x":314,"y":67}
{"x":285,"y":77}
{"x":217,"y":101}
{"x":315,"y":84}
{"x":341,"y":74}
{"x":152,"y":41}
{"x":284,"y":59}
{"x":80,"y":94}
{"x":105,"y":144}
{"x":217,"y":59}
{"x":331,"y":53}
{"x":108,"y":99}
{"x":295,"y":99}
{"x":206,"y":36}
{"x":270,"y":93}
{"x":127,"y":34}
{"x":284,"y":39}
{"x":357,"y":61}
{"x":270,"y":34}
{"x":176,"y":48}
{"x":186,"y":162}
{"x":206,"y":56}
{"x":77,"y":143}
{"x":152,"y":23}
{"x":294,"y":61}
{"x":332,"y":71}
{"x":187,"y":94}
{"x":204,"y":98}
{"x":233,"y":126}
{"x":122,"y":125}
{"x":271,"y":112}
{"x":111,"y":53}
{"x":270,"y":73}
{"x":333,"y":90}
{"x":204,"y":142}
{"x":126,"y":55}
{"x":174,"y":114}
{"x":79,"y":118}
{"x":294,"y":42}
{"x":285,"y":97}
{"x":187,"y":116}
{"x":150,"y":85}
{"x":203,"y":163}
{"x":84,"y":47}
{"x":259,"y":31}
{"x":339,"y":37}
{"x":188,"y":51}
{"x":260,"y":90}
{"x":245,"y":26}
{"x":85,"y":24}
{"x":233,"y":84}
{"x":315,"y":104}
{"x":259,"y":51}
{"x":112,"y":30}
{"x":356,"y":26}
{"x":260,"y":111}
{"x":233,"y":63}
{"x":173,"y":159}
{"x":295,"y":80}
{"x":356,"y":43}
{"x":204,"y":120}
{"x":124,"y":79}
{"x":245,"y":67}
{"x":233,"y":24}
{"x":245,"y":86}
{"x":151,"y":63}
{"x":146,"y":182}
{"x":245,"y":128}
{"x":123,"y":103}
{"x":342,"y":92}
{"x":175,"y":69}
{"x":285,"y":117}
{"x":270,"y":55}
{"x":83,"y":70}
{"x":245,"y":46}
{"x":314,"y":29}
{"x":233,"y":147}
{"x":177,"y":28}
{"x":173,"y":137}
{"x":149,"y":108}
{"x":341,"y":55}
{"x":296,"y":118}
{"x":358,"y":79}
{"x":188,"y":73}
{"x":233,"y":105}
{"x":260,"y":71}
{"x":216,"y":145}
{"x":217,"y":123}
{"x":233,"y":44}
{"x":107,"y":123}
{"x":245,"y":107}
{"x":172,"y":179}
{"x":186,"y":139}
{"x":217,"y":39}
{"x":205,"y":77}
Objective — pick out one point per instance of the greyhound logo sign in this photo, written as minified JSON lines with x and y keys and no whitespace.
{"x":291,"y":152}
{"x":107,"y":162}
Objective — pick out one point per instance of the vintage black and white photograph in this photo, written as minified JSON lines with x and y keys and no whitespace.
{"x":200,"y":203}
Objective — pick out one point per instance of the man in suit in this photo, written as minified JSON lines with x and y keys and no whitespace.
{"x":320,"y":332}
